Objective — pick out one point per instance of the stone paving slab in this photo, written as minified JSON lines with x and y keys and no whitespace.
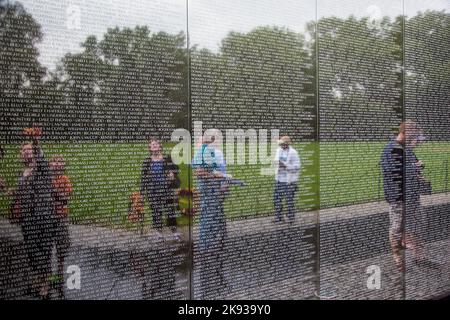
{"x":103,"y":252}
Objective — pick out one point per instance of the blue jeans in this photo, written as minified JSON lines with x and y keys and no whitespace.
{"x":286,"y":191}
{"x":212,"y":219}
{"x":212,"y":237}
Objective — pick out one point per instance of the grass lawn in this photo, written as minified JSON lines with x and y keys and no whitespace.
{"x":104,"y":175}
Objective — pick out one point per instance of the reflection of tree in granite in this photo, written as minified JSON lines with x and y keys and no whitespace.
{"x":251,"y":76}
{"x":131,"y":74}
{"x":22,"y":74}
{"x":427,"y":72}
{"x":359,"y":77}
{"x":128,"y":67}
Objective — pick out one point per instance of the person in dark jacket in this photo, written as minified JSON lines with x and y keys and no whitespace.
{"x":401,"y":179}
{"x":159,"y":178}
{"x":32,"y":207}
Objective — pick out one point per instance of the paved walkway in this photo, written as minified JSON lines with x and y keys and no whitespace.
{"x":120,"y":264}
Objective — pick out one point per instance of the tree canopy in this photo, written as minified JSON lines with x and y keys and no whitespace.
{"x":133,"y":83}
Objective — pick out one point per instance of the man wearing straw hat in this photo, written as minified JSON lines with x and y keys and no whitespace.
{"x":287,"y":164}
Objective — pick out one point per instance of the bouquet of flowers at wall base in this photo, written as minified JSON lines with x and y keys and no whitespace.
{"x":188,"y":201}
{"x":135,"y":208}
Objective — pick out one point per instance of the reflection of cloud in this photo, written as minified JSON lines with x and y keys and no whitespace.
{"x":375,"y":16}
{"x":413,"y":7}
{"x":390,"y":8}
{"x":336,"y":93}
{"x":360,"y":87}
{"x":73,"y":17}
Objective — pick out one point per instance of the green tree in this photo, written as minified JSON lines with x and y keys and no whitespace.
{"x":360,"y":74}
{"x":21,"y":72}
{"x":129,"y":85}
{"x":427,"y":72}
{"x":258,"y":79}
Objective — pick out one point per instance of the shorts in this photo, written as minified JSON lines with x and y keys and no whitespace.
{"x":396,"y":220}
{"x":405,"y":219}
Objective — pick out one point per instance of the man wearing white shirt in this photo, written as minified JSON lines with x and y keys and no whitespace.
{"x":287,"y":164}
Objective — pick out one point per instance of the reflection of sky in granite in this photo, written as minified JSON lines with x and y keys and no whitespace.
{"x":209,"y":20}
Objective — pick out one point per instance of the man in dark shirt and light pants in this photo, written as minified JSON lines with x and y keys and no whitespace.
{"x":401,"y":175}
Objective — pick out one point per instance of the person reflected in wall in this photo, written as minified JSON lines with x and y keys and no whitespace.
{"x":402,"y":178}
{"x":33,"y":208}
{"x":62,"y":191}
{"x":209,"y":168}
{"x":159,"y":179}
{"x":287,"y":166}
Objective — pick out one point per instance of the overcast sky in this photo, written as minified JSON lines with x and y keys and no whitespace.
{"x":67,"y":23}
